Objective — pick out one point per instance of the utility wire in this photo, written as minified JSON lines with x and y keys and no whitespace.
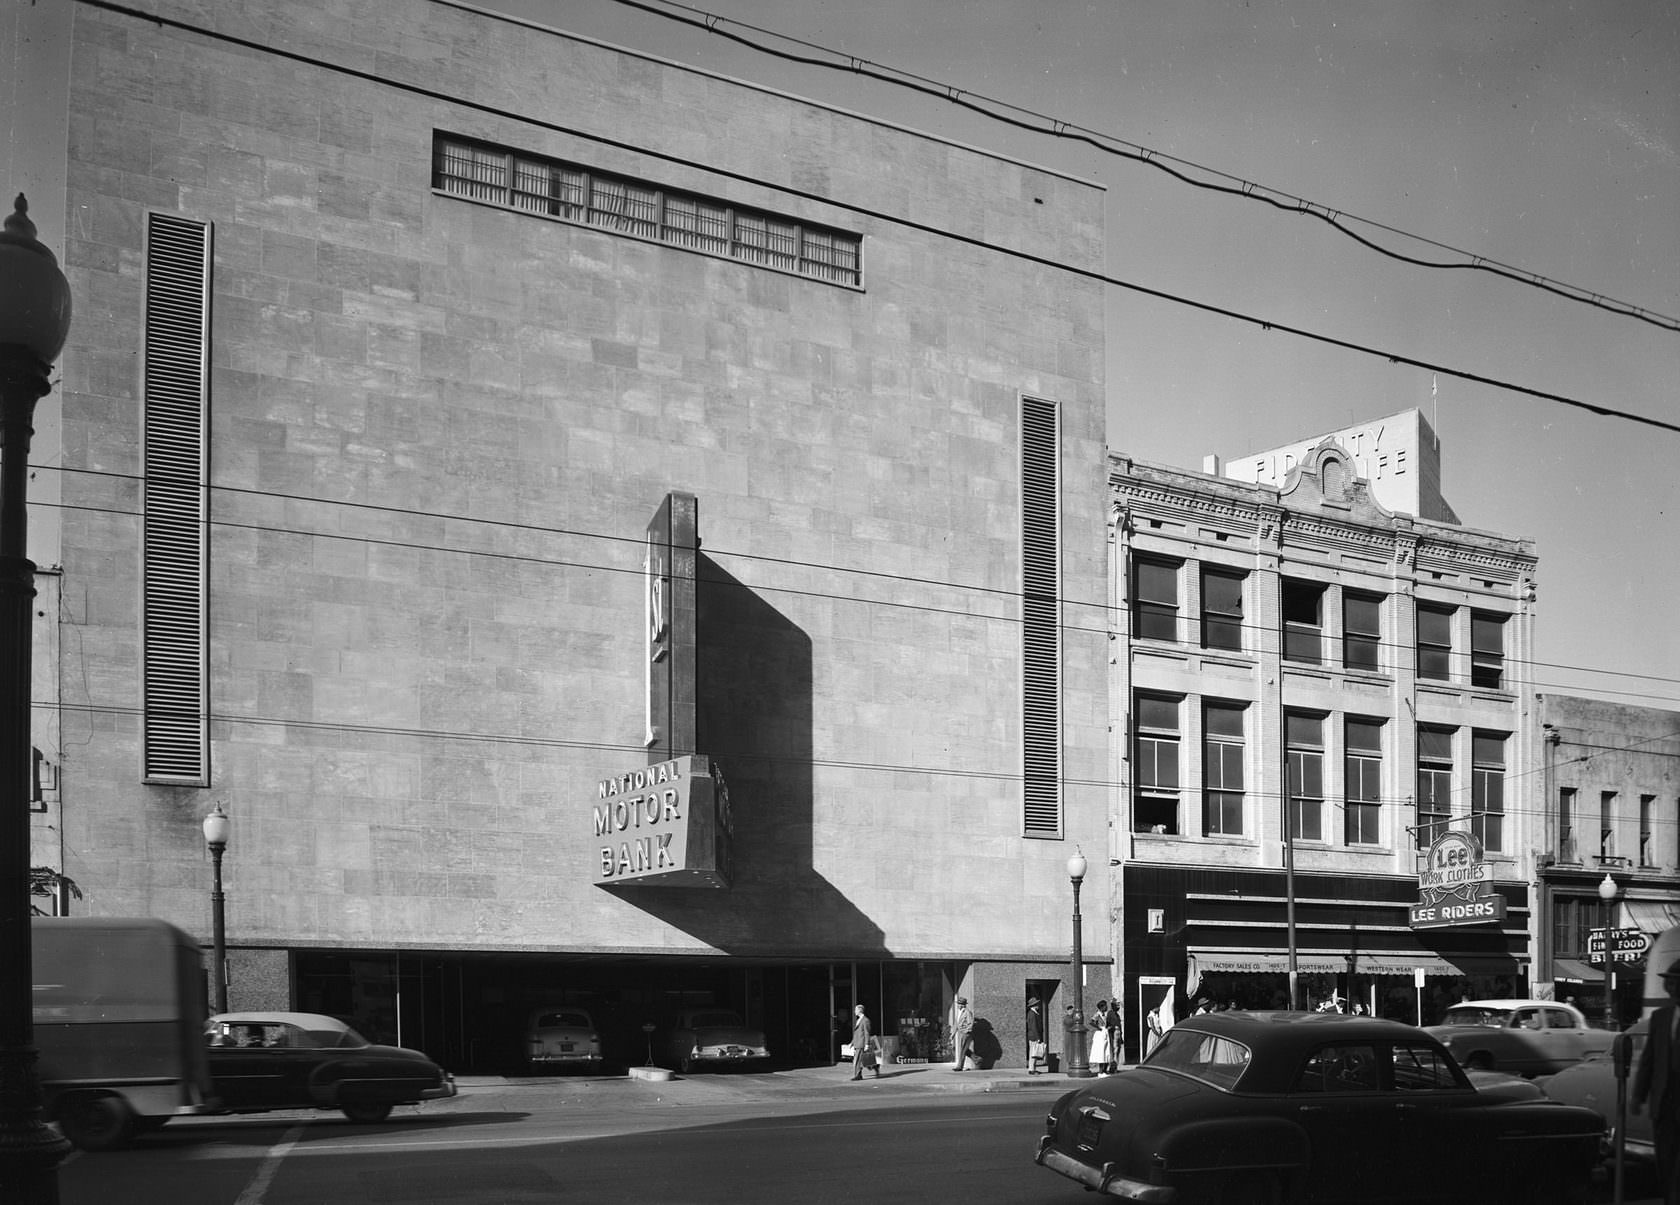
{"x":1040,"y":123}
{"x":1116,"y":619}
{"x":850,"y":207}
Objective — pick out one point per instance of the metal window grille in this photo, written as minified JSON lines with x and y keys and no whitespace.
{"x":532,"y":184}
{"x":1041,"y":625}
{"x":175,"y":523}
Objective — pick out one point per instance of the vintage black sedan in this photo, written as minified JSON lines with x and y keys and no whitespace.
{"x":1261,"y":1108}
{"x":264,"y":1061}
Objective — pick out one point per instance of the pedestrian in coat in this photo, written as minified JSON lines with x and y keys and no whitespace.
{"x":1070,"y":1037}
{"x":1656,"y":1082}
{"x":1035,"y":1036}
{"x":962,"y":1032}
{"x":862,"y":1039}
{"x":1112,"y":1024}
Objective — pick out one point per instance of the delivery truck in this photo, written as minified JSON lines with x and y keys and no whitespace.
{"x":120,"y":1009}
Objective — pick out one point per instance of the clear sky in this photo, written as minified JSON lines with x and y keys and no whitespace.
{"x":1543,"y":135}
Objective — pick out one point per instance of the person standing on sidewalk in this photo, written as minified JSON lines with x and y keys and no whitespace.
{"x":1069,"y":1039}
{"x":1656,"y":1082}
{"x":1035,"y":1036}
{"x":962,"y":1032}
{"x":862,"y":1048}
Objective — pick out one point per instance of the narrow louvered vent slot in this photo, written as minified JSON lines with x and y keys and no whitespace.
{"x":175,"y":528}
{"x":1041,"y":629}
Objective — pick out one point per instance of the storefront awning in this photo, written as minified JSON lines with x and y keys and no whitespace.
{"x":1574,"y":971}
{"x":1260,"y":962}
{"x":1266,"y":962}
{"x":1653,"y":916}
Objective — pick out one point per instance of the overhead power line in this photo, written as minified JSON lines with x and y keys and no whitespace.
{"x":850,"y":207}
{"x":1179,"y":168}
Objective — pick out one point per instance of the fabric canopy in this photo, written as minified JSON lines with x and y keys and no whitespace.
{"x":1575,"y":971}
{"x":1653,"y":916}
{"x":1266,"y":962}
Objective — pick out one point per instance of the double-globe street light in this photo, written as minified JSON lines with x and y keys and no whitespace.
{"x":217,"y":827}
{"x":34,"y":323}
{"x":1079,"y":1066}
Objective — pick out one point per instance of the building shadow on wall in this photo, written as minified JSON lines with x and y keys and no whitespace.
{"x":754,"y":717}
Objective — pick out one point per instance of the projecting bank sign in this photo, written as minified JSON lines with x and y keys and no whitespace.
{"x":1455,"y":886}
{"x":667,"y":824}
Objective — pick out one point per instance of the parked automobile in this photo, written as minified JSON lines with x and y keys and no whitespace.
{"x":262,"y":1061}
{"x":119,"y":1020}
{"x":1262,"y":1108}
{"x":1525,"y":1037}
{"x":562,"y":1037}
{"x":716,"y":1036}
{"x":1592,"y":1083}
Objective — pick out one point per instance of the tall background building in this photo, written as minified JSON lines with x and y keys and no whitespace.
{"x":604,"y":532}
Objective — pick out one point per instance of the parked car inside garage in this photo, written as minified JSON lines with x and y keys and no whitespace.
{"x":563,"y":1037}
{"x":714,"y":1036}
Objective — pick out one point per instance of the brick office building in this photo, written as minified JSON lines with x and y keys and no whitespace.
{"x":1312,"y":632}
{"x":470,"y":433}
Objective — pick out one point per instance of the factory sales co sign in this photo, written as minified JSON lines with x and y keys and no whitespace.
{"x":1455,"y":886}
{"x":668,"y":824}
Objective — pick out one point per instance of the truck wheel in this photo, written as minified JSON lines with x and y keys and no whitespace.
{"x":366,"y":1111}
{"x":95,"y":1123}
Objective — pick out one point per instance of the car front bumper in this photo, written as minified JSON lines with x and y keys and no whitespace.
{"x":1102,"y":1179}
{"x":443,"y":1091}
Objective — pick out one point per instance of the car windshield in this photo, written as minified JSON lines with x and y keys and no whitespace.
{"x":715,"y":1020}
{"x":1213,"y":1060}
{"x":1490,"y":1018}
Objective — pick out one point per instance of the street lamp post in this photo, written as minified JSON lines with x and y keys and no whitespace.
{"x":34,"y":323}
{"x":216,"y":828}
{"x":1607,"y":890}
{"x":1079,"y":1066}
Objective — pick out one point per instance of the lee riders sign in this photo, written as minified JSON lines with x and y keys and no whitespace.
{"x":1455,"y":886}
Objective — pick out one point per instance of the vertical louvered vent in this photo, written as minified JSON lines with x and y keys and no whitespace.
{"x":1041,"y":629}
{"x":175,"y":527}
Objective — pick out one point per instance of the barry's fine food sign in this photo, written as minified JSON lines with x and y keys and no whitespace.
{"x":668,"y":824}
{"x":1454,"y":886}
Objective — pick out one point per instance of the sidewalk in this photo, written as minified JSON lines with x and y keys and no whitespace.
{"x":895,"y":1080}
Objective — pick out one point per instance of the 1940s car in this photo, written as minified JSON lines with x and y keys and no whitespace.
{"x":1592,"y":1082}
{"x":1261,"y":1108}
{"x":560,"y":1037}
{"x":263,"y":1061}
{"x":1524,"y":1037}
{"x":716,"y":1036}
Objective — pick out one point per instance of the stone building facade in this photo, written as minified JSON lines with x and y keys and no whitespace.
{"x":1609,"y":795}
{"x":1290,"y":646}
{"x":398,"y":326}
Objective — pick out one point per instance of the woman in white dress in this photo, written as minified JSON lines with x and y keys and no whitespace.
{"x":1101,"y":1054}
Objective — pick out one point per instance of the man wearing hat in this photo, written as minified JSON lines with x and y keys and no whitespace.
{"x":1657,"y":1080}
{"x":962,"y":1032}
{"x":1035,"y":1035}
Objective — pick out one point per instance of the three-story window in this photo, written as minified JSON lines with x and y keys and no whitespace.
{"x":1222,"y":608}
{"x":1303,"y":621}
{"x":1434,"y":642}
{"x":1154,"y":599}
{"x":1222,"y":769}
{"x":1304,"y":740}
{"x":1487,"y":789}
{"x":1434,"y":783}
{"x":1155,"y":763}
{"x":1487,"y":651}
{"x":1361,"y":631}
{"x":1363,"y":773}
